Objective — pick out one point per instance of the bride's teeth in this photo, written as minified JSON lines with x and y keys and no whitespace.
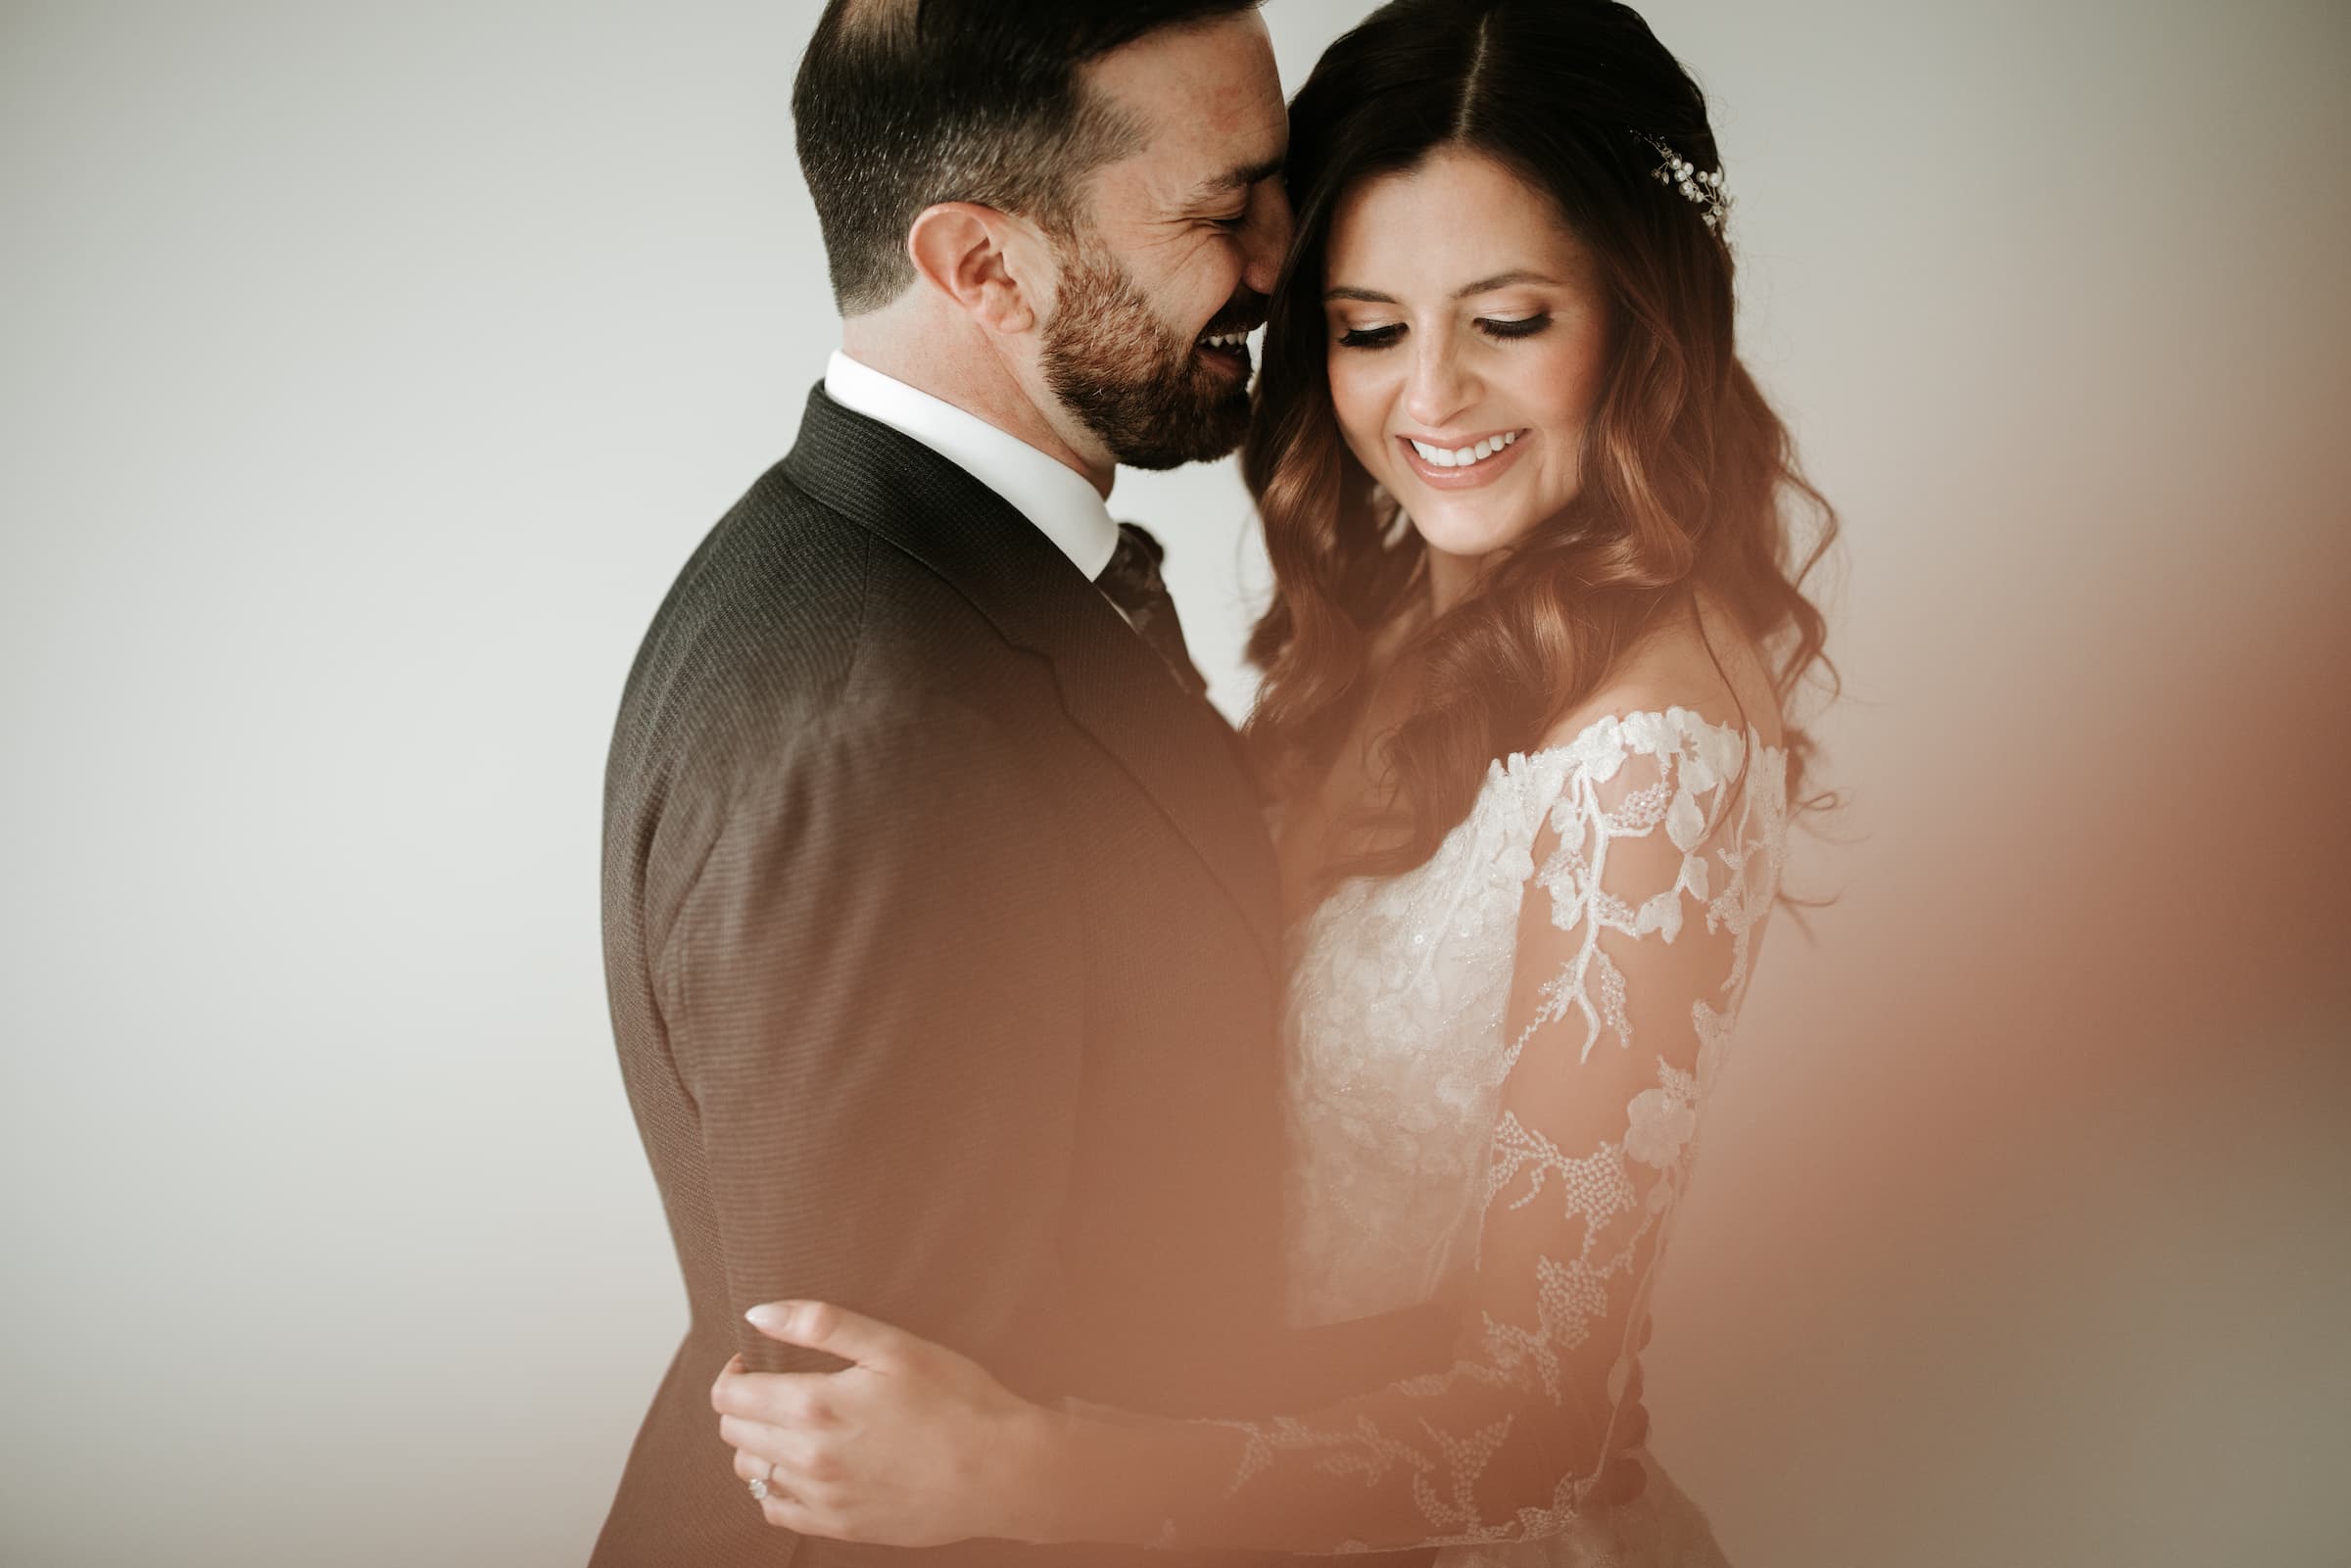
{"x":1463,"y":457}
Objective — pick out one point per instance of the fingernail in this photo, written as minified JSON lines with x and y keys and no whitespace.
{"x":770,"y":1315}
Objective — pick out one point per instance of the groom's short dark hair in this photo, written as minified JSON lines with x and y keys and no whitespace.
{"x":902,"y":104}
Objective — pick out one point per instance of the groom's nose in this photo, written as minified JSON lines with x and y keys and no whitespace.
{"x":1269,"y":237}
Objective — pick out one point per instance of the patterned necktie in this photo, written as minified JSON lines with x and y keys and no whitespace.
{"x":1132,"y":583}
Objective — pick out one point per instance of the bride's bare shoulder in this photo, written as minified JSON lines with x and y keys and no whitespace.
{"x":1702,"y":660}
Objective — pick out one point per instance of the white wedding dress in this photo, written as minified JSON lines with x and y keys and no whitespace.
{"x":1495,"y":1066}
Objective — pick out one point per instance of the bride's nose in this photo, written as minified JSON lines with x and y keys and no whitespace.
{"x":1437,"y":387}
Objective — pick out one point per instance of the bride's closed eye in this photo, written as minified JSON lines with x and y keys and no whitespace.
{"x":1503,"y":328}
{"x":1523,"y":327}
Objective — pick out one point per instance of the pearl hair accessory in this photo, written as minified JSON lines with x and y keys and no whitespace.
{"x":1696,"y":185}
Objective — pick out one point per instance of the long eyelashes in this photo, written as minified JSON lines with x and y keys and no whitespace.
{"x":1525,"y":326}
{"x":1499,"y":327}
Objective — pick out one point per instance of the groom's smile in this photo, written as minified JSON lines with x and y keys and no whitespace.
{"x":1224,"y":346}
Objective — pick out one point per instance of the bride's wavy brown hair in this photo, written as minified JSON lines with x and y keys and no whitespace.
{"x":1688,"y":477}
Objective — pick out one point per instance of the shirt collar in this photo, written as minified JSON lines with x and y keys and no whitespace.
{"x":1061,"y":502}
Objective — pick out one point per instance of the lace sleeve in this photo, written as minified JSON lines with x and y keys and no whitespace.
{"x":1650,"y":876}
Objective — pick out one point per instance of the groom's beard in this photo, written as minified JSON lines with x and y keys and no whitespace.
{"x":1139,"y":387}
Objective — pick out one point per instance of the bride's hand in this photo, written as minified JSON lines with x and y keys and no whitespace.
{"x":911,"y":1446}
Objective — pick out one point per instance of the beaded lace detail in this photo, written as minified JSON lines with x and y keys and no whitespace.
{"x":1496,"y":1063}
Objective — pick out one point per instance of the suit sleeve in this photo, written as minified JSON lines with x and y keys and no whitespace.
{"x":871,"y":993}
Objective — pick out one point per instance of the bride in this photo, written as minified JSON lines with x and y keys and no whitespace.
{"x":1536,"y":620}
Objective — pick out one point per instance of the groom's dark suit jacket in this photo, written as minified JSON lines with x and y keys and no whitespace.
{"x":942,"y":939}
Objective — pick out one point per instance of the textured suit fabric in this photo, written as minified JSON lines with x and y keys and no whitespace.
{"x":941,"y":939}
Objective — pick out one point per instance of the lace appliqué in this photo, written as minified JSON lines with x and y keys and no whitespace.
{"x":1497,"y":1063}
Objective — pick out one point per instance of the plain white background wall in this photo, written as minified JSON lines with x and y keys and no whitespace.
{"x":369,"y":370}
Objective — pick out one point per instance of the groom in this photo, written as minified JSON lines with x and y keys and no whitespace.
{"x":942,"y":932}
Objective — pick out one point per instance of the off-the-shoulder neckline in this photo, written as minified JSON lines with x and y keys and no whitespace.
{"x":1676,"y":716}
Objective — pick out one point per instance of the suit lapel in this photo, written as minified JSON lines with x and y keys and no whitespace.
{"x":1174,"y":746}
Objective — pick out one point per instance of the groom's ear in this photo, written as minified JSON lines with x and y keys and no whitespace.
{"x":991,"y":263}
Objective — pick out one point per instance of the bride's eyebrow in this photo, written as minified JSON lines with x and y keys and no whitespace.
{"x":1500,"y":280}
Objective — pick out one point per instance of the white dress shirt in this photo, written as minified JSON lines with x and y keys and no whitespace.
{"x":1061,"y":502}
